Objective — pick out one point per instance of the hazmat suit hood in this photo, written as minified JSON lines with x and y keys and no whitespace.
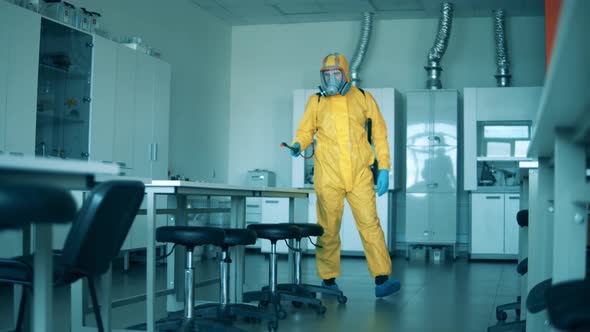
{"x":335,"y":61}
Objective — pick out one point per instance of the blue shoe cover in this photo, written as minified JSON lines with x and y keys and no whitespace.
{"x":332,"y":287}
{"x":387,"y":288}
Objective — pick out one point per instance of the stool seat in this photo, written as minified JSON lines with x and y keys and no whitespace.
{"x":535,"y":301}
{"x":523,"y":267}
{"x":190,"y":236}
{"x":238,"y":237}
{"x":568,"y":305}
{"x":275,"y":232}
{"x":522,"y":217}
{"x":310,"y":229}
{"x":21,"y":205}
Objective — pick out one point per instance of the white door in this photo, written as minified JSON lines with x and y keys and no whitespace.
{"x":443,"y":217}
{"x":511,"y":230}
{"x":22,"y":71}
{"x":161,"y":125}
{"x":145,"y":82}
{"x":125,"y":107}
{"x":417,"y":218}
{"x":487,"y":223}
{"x":102,"y":121}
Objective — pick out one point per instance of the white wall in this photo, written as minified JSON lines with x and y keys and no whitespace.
{"x":270,"y":61}
{"x":197,"y":45}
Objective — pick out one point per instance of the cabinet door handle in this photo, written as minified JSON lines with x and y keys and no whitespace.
{"x":493,"y":197}
{"x":513,"y":197}
{"x":432,"y":185}
{"x":271,"y":201}
{"x":155,"y":152}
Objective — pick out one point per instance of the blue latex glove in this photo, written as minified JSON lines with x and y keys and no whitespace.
{"x":382,"y":182}
{"x":297,"y":149}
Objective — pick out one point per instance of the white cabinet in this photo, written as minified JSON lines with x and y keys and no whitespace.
{"x":431,"y":218}
{"x":131,"y":100}
{"x":19,"y":62}
{"x":494,"y":230}
{"x":487,"y":223}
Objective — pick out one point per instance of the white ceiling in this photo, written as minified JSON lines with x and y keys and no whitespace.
{"x":250,"y":12}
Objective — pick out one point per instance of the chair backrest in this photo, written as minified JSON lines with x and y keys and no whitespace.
{"x":101,"y":227}
{"x":22,"y":204}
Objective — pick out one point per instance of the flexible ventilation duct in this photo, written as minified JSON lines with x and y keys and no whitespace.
{"x":433,"y":68}
{"x":366,"y":28}
{"x":503,"y":71}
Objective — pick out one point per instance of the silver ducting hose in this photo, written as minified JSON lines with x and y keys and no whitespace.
{"x":503,"y":72}
{"x":366,"y":28}
{"x":440,"y":46}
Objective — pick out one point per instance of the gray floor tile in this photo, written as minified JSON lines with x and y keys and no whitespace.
{"x":449,"y":297}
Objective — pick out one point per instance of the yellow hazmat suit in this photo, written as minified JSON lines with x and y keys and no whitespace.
{"x":343,"y":157}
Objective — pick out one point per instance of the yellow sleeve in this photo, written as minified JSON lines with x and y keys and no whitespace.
{"x":379,"y":132}
{"x":307,"y":125}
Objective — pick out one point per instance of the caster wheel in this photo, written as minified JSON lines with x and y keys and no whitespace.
{"x":297,"y":304}
{"x":273,"y":326}
{"x":501,"y":316}
{"x":282,"y":314}
{"x":342,"y":299}
{"x":321,"y":310}
{"x":314,"y":295}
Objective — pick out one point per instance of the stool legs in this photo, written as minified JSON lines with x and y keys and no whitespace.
{"x":272,"y":274}
{"x":227,"y":311}
{"x":224,"y":275}
{"x":297,"y":263}
{"x":189,"y":278}
{"x":306,"y":289}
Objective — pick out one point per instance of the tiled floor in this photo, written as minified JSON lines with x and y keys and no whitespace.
{"x":451,"y":297}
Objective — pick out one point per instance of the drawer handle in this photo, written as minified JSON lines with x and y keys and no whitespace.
{"x":514,"y":197}
{"x":272,"y":202}
{"x":432,"y":185}
{"x":493,"y":197}
{"x":252,"y":206}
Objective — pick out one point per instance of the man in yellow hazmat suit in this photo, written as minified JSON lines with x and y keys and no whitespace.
{"x":337,"y":116}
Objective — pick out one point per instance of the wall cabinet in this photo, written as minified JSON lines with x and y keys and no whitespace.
{"x":494,"y":230}
{"x":131,"y":94}
{"x":129,"y":108}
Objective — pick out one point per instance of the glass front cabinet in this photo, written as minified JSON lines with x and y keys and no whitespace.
{"x":63,"y":95}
